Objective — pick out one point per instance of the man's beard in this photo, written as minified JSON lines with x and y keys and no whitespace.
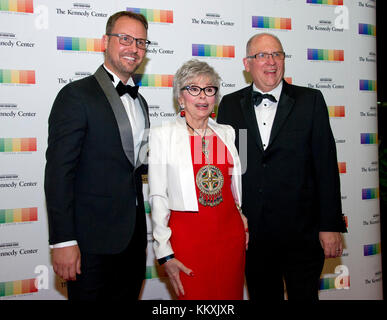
{"x":122,"y":67}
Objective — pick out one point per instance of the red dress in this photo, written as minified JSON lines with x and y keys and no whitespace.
{"x":211,"y":242}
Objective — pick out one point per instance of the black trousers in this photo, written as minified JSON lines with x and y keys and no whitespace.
{"x":113,"y":276}
{"x":267,"y":267}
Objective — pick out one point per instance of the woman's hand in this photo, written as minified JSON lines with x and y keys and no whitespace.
{"x":173,"y":268}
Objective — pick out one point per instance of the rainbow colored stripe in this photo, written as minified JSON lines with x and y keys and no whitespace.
{"x":17,"y":76}
{"x":329,"y":2}
{"x":327,"y":283}
{"x":153,"y":272}
{"x":147,"y":207}
{"x":336,"y":111}
{"x":342,"y":167}
{"x":367,"y":29}
{"x":346,"y":221}
{"x":368,"y":138}
{"x":11,"y":288}
{"x":271,"y":23}
{"x":367,"y":85}
{"x":17,"y":144}
{"x":330,"y":283}
{"x":153,"y":80}
{"x":79,"y":44}
{"x":26,"y":6}
{"x":154,"y":15}
{"x":372,"y":249}
{"x":369,"y":193}
{"x":326,"y":54}
{"x":210,"y":50}
{"x":18,"y":215}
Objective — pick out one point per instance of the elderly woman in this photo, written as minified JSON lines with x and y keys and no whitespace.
{"x":200,"y":235}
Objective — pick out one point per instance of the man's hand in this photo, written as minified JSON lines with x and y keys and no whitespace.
{"x":332,"y":244}
{"x":67,"y":262}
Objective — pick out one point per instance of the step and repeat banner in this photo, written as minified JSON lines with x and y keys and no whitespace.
{"x":44,"y":44}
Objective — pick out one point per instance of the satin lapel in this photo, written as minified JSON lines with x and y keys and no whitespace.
{"x":144,"y":107}
{"x":284,"y":107}
{"x":119,"y":112}
{"x":250,"y":117}
{"x":182,"y":155}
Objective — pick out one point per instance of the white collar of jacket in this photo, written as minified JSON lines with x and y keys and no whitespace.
{"x":171,"y":178}
{"x":181,"y":153}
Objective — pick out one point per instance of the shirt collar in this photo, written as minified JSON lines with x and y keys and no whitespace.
{"x":276,"y":92}
{"x":116,"y":79}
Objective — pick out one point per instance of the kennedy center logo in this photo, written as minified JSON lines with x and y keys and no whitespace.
{"x":154,"y":15}
{"x":26,"y":6}
{"x":325,"y":55}
{"x":367,"y":29}
{"x":17,"y":144}
{"x":271,"y":23}
{"x":154,"y":80}
{"x":326,"y":2}
{"x":367,"y":85}
{"x":18,"y":215}
{"x":17,"y":76}
{"x":342,"y":167}
{"x":368,"y":138}
{"x":369,"y":193}
{"x":79,"y":44}
{"x":371,"y":249}
{"x":209,"y":50}
{"x":336,"y":111}
{"x":11,"y":288}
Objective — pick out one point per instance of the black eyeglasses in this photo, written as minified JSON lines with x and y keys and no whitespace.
{"x":279,"y":55}
{"x":127,"y":40}
{"x":196,"y":90}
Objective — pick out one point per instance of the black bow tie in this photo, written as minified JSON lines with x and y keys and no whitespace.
{"x":122,"y":89}
{"x":258,"y":97}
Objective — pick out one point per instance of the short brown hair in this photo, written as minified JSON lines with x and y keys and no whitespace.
{"x":136,"y":16}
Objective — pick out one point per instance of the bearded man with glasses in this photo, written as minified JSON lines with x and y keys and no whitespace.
{"x":291,"y":185}
{"x":93,"y":185}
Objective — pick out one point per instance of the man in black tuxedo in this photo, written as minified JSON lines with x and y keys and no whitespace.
{"x":93,"y":184}
{"x":291,"y":186}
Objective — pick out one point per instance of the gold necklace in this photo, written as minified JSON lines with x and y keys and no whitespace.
{"x":204,"y":141}
{"x":209,"y":178}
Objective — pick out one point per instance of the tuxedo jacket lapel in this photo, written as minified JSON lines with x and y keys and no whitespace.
{"x":119,"y":112}
{"x":250,"y":117}
{"x":144,"y":107}
{"x":284,"y":107}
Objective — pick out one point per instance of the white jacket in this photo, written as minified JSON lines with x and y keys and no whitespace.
{"x":171,"y":177}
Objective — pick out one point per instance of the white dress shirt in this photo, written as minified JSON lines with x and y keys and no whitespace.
{"x":135,"y":114}
{"x":265,"y":113}
{"x":137,"y":122}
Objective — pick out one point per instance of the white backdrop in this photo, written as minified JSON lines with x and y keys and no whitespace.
{"x":35,"y":64}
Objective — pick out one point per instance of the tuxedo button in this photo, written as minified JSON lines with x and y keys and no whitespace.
{"x":264,"y":165}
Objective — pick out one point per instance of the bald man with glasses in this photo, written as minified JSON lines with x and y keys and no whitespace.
{"x":291,"y":185}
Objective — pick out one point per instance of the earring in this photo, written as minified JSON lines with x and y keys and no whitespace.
{"x":213,"y":115}
{"x":182,"y":112}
